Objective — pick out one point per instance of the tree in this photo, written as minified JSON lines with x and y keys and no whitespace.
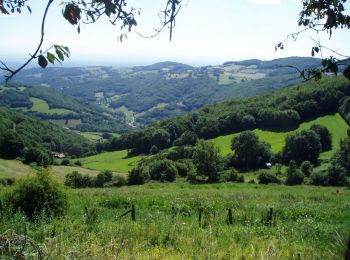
{"x":306,"y":168}
{"x":323,"y":16}
{"x":207,"y":160}
{"x":302,"y":146}
{"x":294,"y":175}
{"x":87,"y":12}
{"x":325,"y":136}
{"x":11,"y":145}
{"x":249,"y":152}
{"x":163,"y":170}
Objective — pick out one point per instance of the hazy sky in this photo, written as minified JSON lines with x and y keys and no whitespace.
{"x":207,"y":32}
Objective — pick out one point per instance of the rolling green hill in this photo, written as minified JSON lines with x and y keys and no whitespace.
{"x":44,"y":135}
{"x":50,"y":104}
{"x":115,"y":161}
{"x":167,"y":89}
{"x":119,"y":162}
{"x":335,"y":124}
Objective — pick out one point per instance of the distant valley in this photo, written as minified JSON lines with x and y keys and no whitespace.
{"x":121,"y":99}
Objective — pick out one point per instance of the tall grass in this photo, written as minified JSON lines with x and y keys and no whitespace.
{"x":308,"y":223}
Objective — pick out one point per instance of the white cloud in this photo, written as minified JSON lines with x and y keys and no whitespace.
{"x":268,"y":2}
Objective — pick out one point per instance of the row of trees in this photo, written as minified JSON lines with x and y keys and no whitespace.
{"x":279,"y":111}
{"x":203,"y":162}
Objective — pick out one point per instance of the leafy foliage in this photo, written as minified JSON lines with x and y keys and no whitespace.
{"x":38,"y":194}
{"x":266,"y":178}
{"x":294,"y":175}
{"x":207,"y":159}
{"x":45,"y":136}
{"x":249,"y":153}
{"x":302,"y":146}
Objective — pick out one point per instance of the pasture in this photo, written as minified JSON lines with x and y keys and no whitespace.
{"x":117,"y":161}
{"x":307,"y":223}
{"x":335,"y":124}
{"x":42,"y":106}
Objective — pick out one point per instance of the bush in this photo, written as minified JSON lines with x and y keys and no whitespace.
{"x":306,"y":168}
{"x":108,"y":175}
{"x":336,"y":175}
{"x":7,"y":181}
{"x":319,"y":178}
{"x":118,"y":181}
{"x":294,"y":175}
{"x":266,"y":178}
{"x":78,"y":163}
{"x":182,"y":169}
{"x":74,"y":180}
{"x":38,"y":194}
{"x":154,"y":149}
{"x":163,"y":170}
{"x":137,"y":177}
{"x":65,"y":162}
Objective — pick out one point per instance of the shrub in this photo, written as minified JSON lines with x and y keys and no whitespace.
{"x":65,"y":162}
{"x":163,"y":170}
{"x":74,"y":180}
{"x":154,"y":149}
{"x":306,"y":168}
{"x":7,"y":181}
{"x":137,"y":177}
{"x":240,"y":179}
{"x":319,"y":178}
{"x":108,"y":175}
{"x":182,"y":169}
{"x":294,"y":175}
{"x":266,"y":178}
{"x":78,"y":163}
{"x":336,"y":175}
{"x":38,"y":194}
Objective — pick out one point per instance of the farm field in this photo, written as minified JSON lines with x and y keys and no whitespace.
{"x":115,"y":161}
{"x":16,"y":169}
{"x":42,"y":106}
{"x":335,"y":124}
{"x":167,"y":223}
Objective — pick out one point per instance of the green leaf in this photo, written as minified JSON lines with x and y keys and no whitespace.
{"x":51,"y":58}
{"x":42,"y":61}
{"x":29,"y":9}
{"x":60,"y":54}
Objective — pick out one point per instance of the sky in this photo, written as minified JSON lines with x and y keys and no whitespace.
{"x":206,"y":32}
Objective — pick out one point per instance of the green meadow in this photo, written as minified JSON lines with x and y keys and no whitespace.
{"x":335,"y":124}
{"x":42,"y":106}
{"x":167,"y":223}
{"x":117,"y":161}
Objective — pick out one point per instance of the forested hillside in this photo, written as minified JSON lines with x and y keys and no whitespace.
{"x":29,"y":132}
{"x":50,"y":104}
{"x":279,"y":111}
{"x":145,"y":94}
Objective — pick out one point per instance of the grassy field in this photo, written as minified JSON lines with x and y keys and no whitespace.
{"x":16,"y":169}
{"x":115,"y":161}
{"x":13,"y":169}
{"x":308,"y":223}
{"x":335,"y":124}
{"x":42,"y":106}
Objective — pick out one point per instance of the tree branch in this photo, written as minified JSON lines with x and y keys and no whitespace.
{"x":12,"y":73}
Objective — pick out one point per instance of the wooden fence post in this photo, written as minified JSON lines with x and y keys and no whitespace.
{"x":133,"y":213}
{"x":347,"y":252}
{"x":200,"y":217}
{"x":229,"y":217}
{"x":268,"y":220}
